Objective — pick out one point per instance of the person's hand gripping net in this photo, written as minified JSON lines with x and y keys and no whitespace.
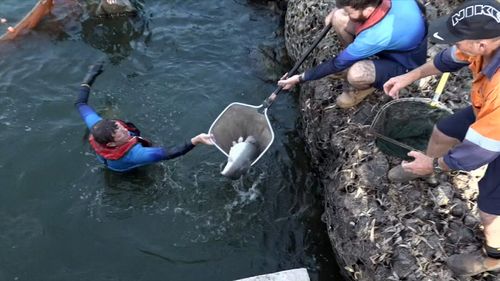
{"x":289,"y":82}
{"x":92,"y":73}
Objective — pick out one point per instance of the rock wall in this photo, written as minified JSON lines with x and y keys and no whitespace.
{"x":380,"y":230}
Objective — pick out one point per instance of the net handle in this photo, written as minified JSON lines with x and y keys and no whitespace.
{"x":393,"y":141}
{"x":439,"y":89}
{"x":269,"y":100}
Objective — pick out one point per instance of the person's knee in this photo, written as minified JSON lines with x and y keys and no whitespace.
{"x":340,"y":19}
{"x":436,"y":133}
{"x":491,"y":224}
{"x":361,"y":74}
{"x":493,"y":230}
{"x":440,"y":137}
{"x":440,"y":143}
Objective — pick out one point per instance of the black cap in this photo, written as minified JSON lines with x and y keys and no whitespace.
{"x":475,"y":19}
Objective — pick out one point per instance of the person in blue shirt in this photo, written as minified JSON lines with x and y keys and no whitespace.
{"x":118,"y":144}
{"x":392,"y":30}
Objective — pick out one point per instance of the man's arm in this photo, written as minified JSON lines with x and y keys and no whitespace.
{"x":482,"y":141}
{"x":343,"y":61}
{"x":469,"y":155}
{"x":140,"y":156}
{"x":395,"y":84}
{"x":89,"y":116}
{"x":86,"y":112}
{"x":181,"y":149}
{"x":178,"y":150}
{"x":445,"y":61}
{"x":361,"y":48}
{"x":146,"y":155}
{"x":477,"y":149}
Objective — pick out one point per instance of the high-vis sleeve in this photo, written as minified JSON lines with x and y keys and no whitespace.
{"x":447,"y":61}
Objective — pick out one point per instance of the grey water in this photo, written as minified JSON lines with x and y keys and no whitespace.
{"x":171,"y":71}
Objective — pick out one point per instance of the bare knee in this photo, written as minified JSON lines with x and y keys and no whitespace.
{"x":442,"y":138}
{"x":340,"y":19}
{"x":491,"y":225}
{"x":361,"y":74}
{"x":440,"y":143}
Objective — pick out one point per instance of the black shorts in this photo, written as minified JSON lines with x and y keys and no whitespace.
{"x":385,"y":69}
{"x":392,"y":63}
{"x":456,"y":126}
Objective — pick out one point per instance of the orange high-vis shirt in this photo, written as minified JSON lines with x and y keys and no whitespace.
{"x":485,"y":99}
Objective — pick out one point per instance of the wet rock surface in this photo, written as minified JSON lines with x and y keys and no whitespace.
{"x":380,"y":230}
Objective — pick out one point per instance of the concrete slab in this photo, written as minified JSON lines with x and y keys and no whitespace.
{"x":298,"y":274}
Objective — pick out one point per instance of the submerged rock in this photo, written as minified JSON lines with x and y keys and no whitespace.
{"x":116,"y":7}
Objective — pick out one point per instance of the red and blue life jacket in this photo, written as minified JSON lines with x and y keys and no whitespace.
{"x":117,"y":152}
{"x":378,"y":14}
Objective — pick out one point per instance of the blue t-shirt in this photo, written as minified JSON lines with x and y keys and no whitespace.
{"x":395,"y":37}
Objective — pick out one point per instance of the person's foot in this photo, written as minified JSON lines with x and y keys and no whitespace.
{"x":472,"y":263}
{"x":352,"y":97}
{"x":399,"y":175}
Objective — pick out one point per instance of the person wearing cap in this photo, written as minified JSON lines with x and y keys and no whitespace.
{"x":392,"y":30}
{"x":470,"y":138}
{"x":118,"y":144}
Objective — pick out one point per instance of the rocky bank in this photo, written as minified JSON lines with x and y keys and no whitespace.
{"x":380,"y":230}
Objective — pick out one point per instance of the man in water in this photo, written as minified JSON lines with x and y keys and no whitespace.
{"x":393,"y":30}
{"x":470,"y":138}
{"x":118,"y":144}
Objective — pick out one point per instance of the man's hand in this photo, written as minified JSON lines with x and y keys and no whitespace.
{"x":289,"y":83}
{"x":202,"y":139}
{"x":329,"y":18}
{"x":422,"y":165}
{"x":395,"y":84}
{"x":92,"y":73}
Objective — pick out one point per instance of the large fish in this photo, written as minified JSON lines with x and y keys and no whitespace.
{"x":240,"y":158}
